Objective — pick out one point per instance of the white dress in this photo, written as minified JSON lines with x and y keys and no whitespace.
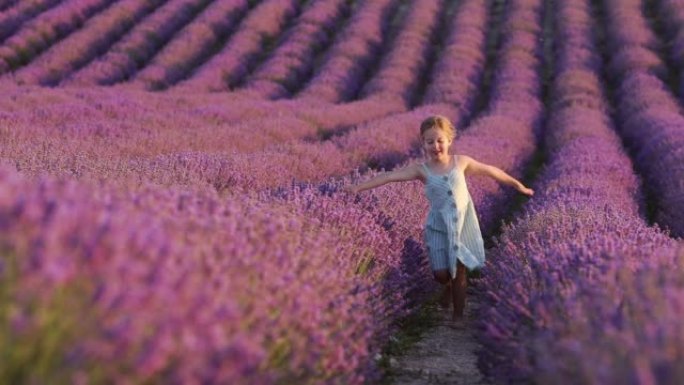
{"x":452,"y":231}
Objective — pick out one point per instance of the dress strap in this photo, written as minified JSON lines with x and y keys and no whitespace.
{"x":427,"y":169}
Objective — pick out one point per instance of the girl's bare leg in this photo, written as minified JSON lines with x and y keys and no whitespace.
{"x":446,"y":298}
{"x":443,"y":277}
{"x":458,"y":290}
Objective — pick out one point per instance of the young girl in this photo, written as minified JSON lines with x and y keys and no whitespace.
{"x":452,"y":231}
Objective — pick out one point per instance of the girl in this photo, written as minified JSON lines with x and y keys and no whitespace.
{"x":452,"y":231}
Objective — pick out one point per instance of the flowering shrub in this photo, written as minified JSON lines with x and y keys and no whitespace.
{"x":138,"y":45}
{"x":191,"y":45}
{"x":650,"y":118}
{"x":235,"y":59}
{"x":355,"y":48}
{"x":290,"y":63}
{"x":81,"y":46}
{"x":573,"y":291}
{"x":36,"y":35}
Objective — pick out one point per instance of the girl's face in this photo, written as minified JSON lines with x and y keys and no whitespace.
{"x":436,"y":144}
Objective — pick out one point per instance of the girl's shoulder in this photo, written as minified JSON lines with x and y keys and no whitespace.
{"x":462,"y":157}
{"x":419,"y":167}
{"x":462,"y":161}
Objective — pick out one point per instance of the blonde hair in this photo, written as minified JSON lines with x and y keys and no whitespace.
{"x":438,"y":122}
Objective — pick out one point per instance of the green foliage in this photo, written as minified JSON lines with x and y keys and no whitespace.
{"x":37,"y":329}
{"x":364,"y":265}
{"x":279,"y":353}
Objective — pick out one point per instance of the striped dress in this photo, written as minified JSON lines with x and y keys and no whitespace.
{"x":452,"y":231}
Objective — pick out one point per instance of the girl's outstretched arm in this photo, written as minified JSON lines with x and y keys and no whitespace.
{"x":407,"y":173}
{"x":473,"y":167}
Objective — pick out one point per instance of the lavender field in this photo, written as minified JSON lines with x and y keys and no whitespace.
{"x":172,"y":173}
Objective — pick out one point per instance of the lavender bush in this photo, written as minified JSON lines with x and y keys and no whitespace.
{"x":650,"y":119}
{"x":344,"y":64}
{"x":401,"y":66}
{"x":191,"y":45}
{"x":223,"y":69}
{"x":149,"y":270}
{"x":15,"y":15}
{"x":81,"y":46}
{"x":562,"y":304}
{"x":671,"y":15}
{"x":36,"y":35}
{"x":137,"y":46}
{"x":291,"y":61}
{"x":460,"y":63}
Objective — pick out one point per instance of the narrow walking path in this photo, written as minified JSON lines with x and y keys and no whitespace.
{"x":445,"y":353}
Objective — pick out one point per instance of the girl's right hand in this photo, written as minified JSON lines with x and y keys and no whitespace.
{"x":351,"y":189}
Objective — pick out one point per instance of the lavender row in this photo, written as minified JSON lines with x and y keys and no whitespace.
{"x":463,"y":53}
{"x":138,"y":46}
{"x":235,"y":59}
{"x":401,"y":67}
{"x":173,"y":140}
{"x":172,"y":286}
{"x":518,"y":77}
{"x":5,"y":4}
{"x":291,"y":62}
{"x":505,"y":134}
{"x":650,"y":120}
{"x":635,"y":45}
{"x":12,"y":18}
{"x":92,"y":39}
{"x":38,"y":34}
{"x":355,"y":48}
{"x":60,"y":107}
{"x":191,"y":45}
{"x":296,"y":123}
{"x":671,"y":12}
{"x":560,"y":291}
{"x":283,"y":164}
{"x":96,"y":132}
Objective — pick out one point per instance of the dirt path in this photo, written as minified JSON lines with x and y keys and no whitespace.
{"x":445,"y":354}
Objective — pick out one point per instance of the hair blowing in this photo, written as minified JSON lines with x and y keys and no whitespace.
{"x":439,"y":122}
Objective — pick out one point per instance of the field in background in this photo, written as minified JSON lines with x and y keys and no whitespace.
{"x":171,"y":173}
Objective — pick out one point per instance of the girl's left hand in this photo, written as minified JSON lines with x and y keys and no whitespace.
{"x":527,"y":191}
